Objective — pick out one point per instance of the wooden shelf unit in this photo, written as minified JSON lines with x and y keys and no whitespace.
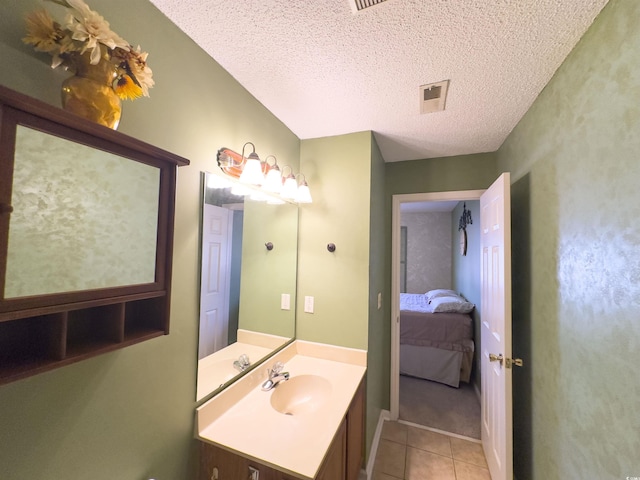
{"x":42,"y":332}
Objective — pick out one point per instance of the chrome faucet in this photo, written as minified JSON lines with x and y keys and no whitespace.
{"x":242,"y":363}
{"x":276,"y":375}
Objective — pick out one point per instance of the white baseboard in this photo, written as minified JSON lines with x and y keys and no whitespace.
{"x":384,"y":416}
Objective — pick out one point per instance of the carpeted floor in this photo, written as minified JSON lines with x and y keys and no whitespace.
{"x":432,"y":404}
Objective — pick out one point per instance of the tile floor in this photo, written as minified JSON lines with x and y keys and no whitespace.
{"x":409,"y":452}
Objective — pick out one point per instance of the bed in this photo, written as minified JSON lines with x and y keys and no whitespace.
{"x":436,"y":337}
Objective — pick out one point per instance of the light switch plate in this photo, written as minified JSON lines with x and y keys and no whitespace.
{"x":308,"y":304}
{"x":285,"y":301}
{"x":254,"y":473}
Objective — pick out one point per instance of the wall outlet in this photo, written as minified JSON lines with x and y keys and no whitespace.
{"x":254,"y":473}
{"x":308,"y":304}
{"x":285,"y":301}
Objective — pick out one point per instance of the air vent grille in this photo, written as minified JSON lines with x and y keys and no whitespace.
{"x":433,"y":97}
{"x":432,"y":93}
{"x":358,"y":5}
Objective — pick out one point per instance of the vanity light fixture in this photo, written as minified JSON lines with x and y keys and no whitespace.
{"x":290,"y":186}
{"x":273,"y":179}
{"x":303,"y":195}
{"x":246,"y":176}
{"x":251,"y":167}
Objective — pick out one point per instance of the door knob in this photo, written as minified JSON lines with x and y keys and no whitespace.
{"x":509,"y":363}
{"x":514,"y":361}
{"x":496,"y":358}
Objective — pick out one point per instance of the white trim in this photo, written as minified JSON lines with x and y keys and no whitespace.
{"x":384,"y":416}
{"x":461,"y":195}
{"x":441,"y":432}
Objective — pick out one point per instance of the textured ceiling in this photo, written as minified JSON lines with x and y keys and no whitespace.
{"x":324,"y":70}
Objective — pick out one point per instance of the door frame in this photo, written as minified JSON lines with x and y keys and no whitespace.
{"x":397,"y":200}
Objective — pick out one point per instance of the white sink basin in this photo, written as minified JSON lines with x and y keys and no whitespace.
{"x":302,"y":394}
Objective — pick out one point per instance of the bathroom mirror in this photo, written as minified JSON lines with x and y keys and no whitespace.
{"x":247,"y":284}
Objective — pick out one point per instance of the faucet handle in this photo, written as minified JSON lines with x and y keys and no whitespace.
{"x":244,"y":360}
{"x":276,"y":368}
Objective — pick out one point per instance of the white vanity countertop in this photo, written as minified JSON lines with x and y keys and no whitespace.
{"x":216,"y":369}
{"x":241,"y":418}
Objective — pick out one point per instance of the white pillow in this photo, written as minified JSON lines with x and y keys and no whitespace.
{"x":451,"y":305}
{"x":440,"y":292}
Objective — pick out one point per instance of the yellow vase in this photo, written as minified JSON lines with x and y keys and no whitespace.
{"x":89,"y":93}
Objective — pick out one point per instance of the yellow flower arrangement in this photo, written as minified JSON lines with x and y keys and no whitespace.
{"x":84,"y":31}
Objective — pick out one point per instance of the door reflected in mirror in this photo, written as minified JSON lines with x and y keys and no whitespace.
{"x":247,"y":284}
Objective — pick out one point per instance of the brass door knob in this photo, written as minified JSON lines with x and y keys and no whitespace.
{"x":496,"y":358}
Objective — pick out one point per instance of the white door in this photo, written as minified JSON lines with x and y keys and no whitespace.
{"x":214,"y":290}
{"x":495,"y":358}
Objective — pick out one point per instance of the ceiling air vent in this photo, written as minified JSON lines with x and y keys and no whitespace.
{"x":357,"y":5}
{"x":433,"y":97}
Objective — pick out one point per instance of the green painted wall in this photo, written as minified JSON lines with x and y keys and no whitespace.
{"x":379,"y":334}
{"x":463,"y":172}
{"x":466,"y":271}
{"x":338,"y":170}
{"x":267,"y":274}
{"x":129,"y":414}
{"x":575,"y":167}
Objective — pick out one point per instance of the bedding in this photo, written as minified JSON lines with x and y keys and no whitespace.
{"x":450,"y":304}
{"x":440,"y":292}
{"x":433,"y":345}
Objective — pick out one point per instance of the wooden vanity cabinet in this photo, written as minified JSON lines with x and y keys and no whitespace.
{"x":43,"y":330}
{"x":343,"y":460}
{"x":355,"y":434}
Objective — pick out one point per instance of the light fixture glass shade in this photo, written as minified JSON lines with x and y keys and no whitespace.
{"x":258,"y":196}
{"x":290,"y":188}
{"x":238,"y":189}
{"x":303,"y":194}
{"x":217,"y":181}
{"x":252,"y":171}
{"x":273,"y":180}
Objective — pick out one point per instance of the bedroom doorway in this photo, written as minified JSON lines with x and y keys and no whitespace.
{"x":423,"y":398}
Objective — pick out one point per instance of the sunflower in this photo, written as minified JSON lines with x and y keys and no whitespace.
{"x":126,"y":88}
{"x":133,"y":62}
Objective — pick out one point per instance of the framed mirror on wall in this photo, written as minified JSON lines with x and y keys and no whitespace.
{"x":247,"y":284}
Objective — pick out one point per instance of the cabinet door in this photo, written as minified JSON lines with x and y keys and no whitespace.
{"x":219,"y":464}
{"x":333,"y":467}
{"x":355,"y":434}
